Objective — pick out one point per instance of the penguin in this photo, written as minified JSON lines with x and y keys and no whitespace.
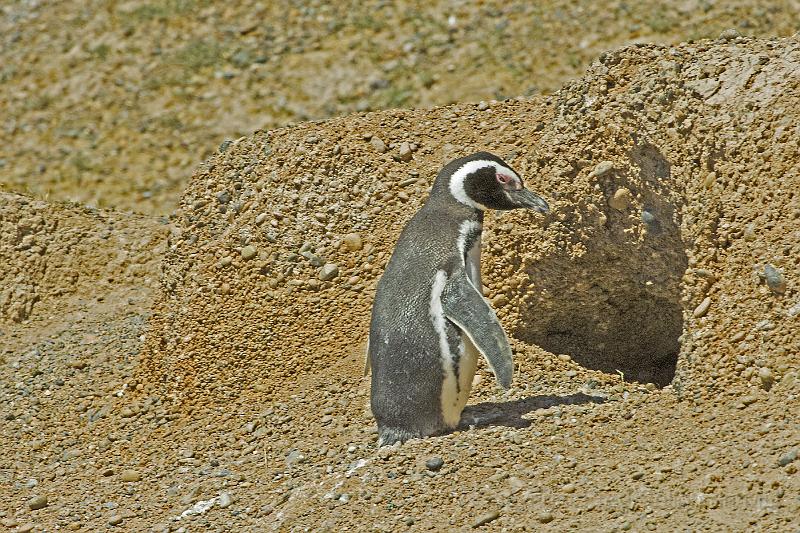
{"x":430,"y":320}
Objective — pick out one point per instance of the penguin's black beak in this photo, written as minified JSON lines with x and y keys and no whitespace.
{"x":527,"y":199}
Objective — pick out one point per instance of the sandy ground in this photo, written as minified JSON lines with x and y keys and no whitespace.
{"x":114,"y":104}
{"x":196,"y":374}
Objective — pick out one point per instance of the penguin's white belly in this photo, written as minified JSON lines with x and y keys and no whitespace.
{"x":455,"y":391}
{"x":458,"y":384}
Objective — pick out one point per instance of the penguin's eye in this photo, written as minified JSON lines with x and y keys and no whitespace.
{"x":503,"y":178}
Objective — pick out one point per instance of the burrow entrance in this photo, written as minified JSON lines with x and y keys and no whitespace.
{"x":617,"y":306}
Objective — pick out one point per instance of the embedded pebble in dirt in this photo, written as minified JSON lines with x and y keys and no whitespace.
{"x":239,"y":402}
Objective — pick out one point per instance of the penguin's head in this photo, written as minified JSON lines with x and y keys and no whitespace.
{"x":484,"y":181}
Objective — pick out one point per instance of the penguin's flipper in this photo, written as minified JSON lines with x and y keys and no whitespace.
{"x":471,"y":313}
{"x":368,"y":361}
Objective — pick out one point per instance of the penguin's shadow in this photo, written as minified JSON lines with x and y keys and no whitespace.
{"x":510,"y":413}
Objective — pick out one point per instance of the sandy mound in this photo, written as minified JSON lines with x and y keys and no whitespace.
{"x":672,"y":176}
{"x":50,"y":250}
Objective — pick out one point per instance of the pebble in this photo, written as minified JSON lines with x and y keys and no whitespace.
{"x":434,"y":463}
{"x":24,"y":528}
{"x":545,"y":517}
{"x":746,"y":400}
{"x":313,"y":259}
{"x":353,"y":242}
{"x":404,"y":153}
{"x":749,"y":233}
{"x":499,"y":301}
{"x":223,"y":197}
{"x":709,"y":180}
{"x":569,"y":488}
{"x":249,"y":252}
{"x":486,"y":518}
{"x":37,"y":502}
{"x":775,"y":279}
{"x":261,"y":218}
{"x":602,"y":168}
{"x":225,"y":500}
{"x":729,"y":34}
{"x":621,"y":200}
{"x":130,"y":476}
{"x":702,"y":309}
{"x":378,"y":145}
{"x":482,"y":105}
{"x":115,"y":520}
{"x":328,"y":272}
{"x":766,"y":377}
{"x":788,"y":457}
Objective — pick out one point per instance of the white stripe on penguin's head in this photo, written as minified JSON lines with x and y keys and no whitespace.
{"x":457,"y":188}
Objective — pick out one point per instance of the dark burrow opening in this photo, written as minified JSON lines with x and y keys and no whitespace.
{"x":615,"y":307}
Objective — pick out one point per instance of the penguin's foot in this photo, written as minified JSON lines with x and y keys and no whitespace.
{"x":388,"y":436}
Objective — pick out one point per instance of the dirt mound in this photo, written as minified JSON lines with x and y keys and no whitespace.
{"x":50,"y":250}
{"x":669,"y":251}
{"x":113,"y":104}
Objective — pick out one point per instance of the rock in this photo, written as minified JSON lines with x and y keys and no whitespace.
{"x":482,"y":106}
{"x":25,"y":528}
{"x":486,"y":518}
{"x":766,"y":377}
{"x":775,"y":279}
{"x":545,"y":517}
{"x":378,"y":145}
{"x":434,"y":463}
{"x":249,"y":252}
{"x":747,"y":400}
{"x":261,"y":218}
{"x":602,"y":168}
{"x":499,"y":301}
{"x":702,"y":309}
{"x":749,"y":233}
{"x":569,"y":488}
{"x":729,"y":34}
{"x":353,"y":242}
{"x":295,"y":456}
{"x":115,"y":520}
{"x":225,"y":500}
{"x":328,"y":272}
{"x":621,"y":200}
{"x":130,"y":476}
{"x":223,"y":197}
{"x":404,"y":153}
{"x":637,"y":475}
{"x":788,"y":457}
{"x":315,"y":260}
{"x":38,"y":502}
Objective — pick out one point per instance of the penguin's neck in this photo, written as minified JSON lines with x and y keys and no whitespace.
{"x":455,"y":209}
